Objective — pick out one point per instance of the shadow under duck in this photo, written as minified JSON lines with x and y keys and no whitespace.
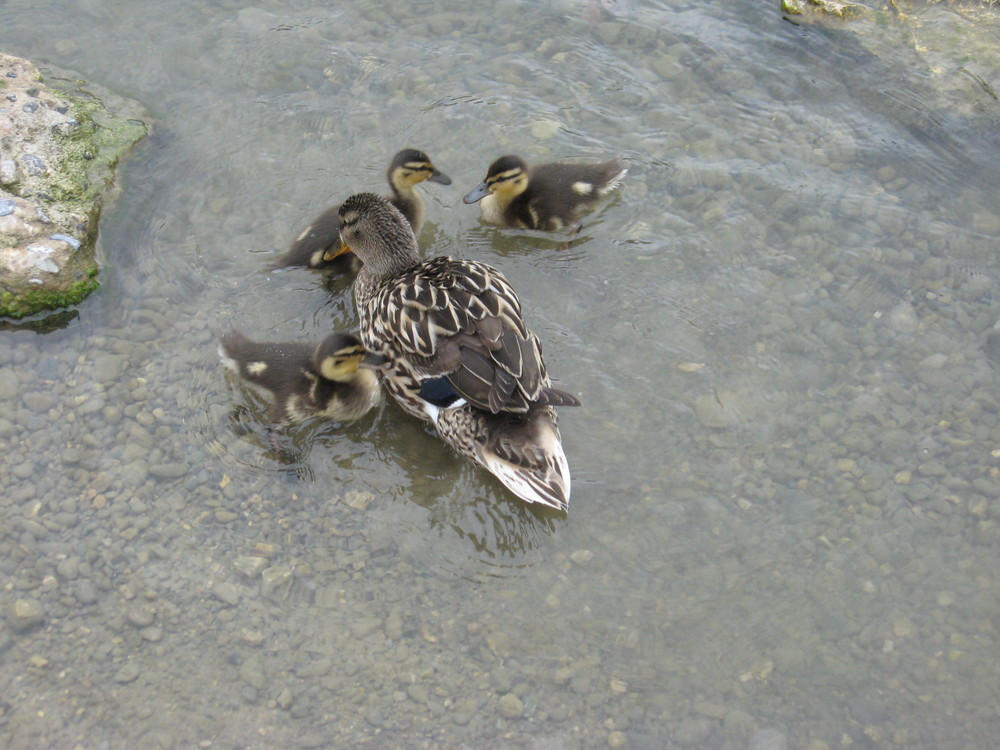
{"x":547,"y":196}
{"x":458,"y":353}
{"x":407,"y":169}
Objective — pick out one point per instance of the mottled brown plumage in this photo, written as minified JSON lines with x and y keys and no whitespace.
{"x":459,"y":319}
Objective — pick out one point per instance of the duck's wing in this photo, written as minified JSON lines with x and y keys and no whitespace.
{"x":461,"y":320}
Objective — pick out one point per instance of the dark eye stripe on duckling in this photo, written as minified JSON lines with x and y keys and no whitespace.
{"x":513,"y":174}
{"x":349,"y":351}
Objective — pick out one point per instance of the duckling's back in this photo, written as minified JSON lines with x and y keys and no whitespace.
{"x":558,"y":192}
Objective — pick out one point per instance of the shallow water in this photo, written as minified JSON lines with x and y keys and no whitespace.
{"x":783,"y":530}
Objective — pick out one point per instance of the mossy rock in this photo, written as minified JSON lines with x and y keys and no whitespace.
{"x":945,"y":49}
{"x":817,"y":11}
{"x":60,"y":141}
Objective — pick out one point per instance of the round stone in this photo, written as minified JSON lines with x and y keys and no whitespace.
{"x":128,"y":673}
{"x":511,"y":707}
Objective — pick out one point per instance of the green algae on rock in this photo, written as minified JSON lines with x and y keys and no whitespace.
{"x":60,"y":141}
{"x":836,"y":8}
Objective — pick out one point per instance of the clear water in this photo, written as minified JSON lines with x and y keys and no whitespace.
{"x":783,"y":530}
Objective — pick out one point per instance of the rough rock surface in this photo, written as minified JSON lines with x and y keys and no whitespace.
{"x":954,"y":40}
{"x":58,"y":149}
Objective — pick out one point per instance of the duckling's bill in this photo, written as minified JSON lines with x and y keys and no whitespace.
{"x":477,"y":193}
{"x":334,"y":252}
{"x":439,"y":177}
{"x":374,"y":361}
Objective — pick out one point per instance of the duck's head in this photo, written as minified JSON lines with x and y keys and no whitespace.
{"x":412,"y":166}
{"x":339,"y":355}
{"x":507,"y":178}
{"x":376,"y":232}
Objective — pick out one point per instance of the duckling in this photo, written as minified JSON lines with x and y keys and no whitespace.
{"x":408,"y":168}
{"x":457,"y":352}
{"x":548,"y":196}
{"x":333,"y":380}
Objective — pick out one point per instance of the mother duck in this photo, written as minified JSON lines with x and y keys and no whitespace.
{"x":457,"y":352}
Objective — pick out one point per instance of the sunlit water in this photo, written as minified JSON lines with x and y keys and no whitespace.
{"x":783,"y":530}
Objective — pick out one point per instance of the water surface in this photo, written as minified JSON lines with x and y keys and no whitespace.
{"x":783,"y":525}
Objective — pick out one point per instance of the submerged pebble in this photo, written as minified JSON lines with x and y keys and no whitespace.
{"x":128,"y":673}
{"x":140,"y":616}
{"x":510,"y":706}
{"x":25,"y":614}
{"x":276,"y":582}
{"x":227,"y":593}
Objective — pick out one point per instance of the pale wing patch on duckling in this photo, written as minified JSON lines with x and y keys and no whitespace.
{"x":233,"y":365}
{"x":256,"y":368}
{"x":583,"y":188}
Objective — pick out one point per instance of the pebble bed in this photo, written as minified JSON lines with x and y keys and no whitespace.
{"x":783,"y":531}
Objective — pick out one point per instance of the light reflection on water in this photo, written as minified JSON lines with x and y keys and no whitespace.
{"x":783,"y":516}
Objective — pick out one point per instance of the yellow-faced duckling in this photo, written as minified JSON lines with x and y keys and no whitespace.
{"x":457,"y":352}
{"x":408,"y":168}
{"x":332,"y":380}
{"x":547,"y":196}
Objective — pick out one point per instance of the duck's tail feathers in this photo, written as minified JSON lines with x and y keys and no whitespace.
{"x":555,"y":397}
{"x":531,"y":464}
